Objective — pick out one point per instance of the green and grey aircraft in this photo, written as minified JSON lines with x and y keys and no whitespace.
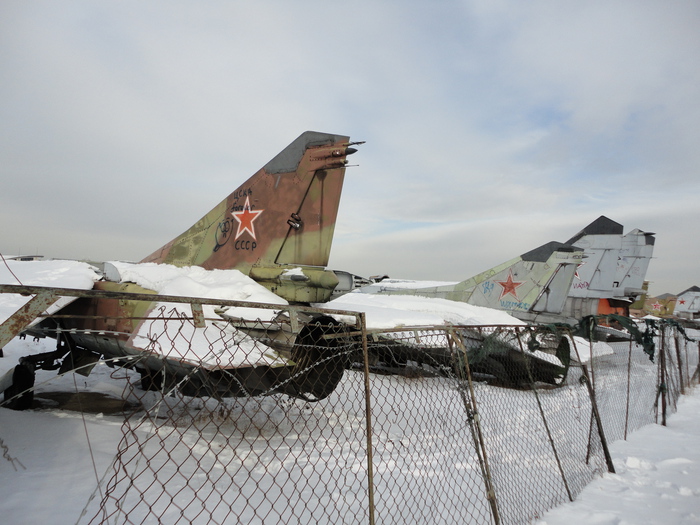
{"x":535,"y":283}
{"x":602,"y":274}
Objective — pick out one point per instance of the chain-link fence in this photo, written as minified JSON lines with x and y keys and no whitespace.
{"x":306,"y":416}
{"x":635,"y":387}
{"x":678,"y":359}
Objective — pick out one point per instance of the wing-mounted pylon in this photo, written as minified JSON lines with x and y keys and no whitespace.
{"x":277,"y":227}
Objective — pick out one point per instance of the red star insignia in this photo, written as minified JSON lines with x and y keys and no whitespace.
{"x":245,"y":219}
{"x":656,"y":306}
{"x":509,"y":286}
{"x":578,"y":267}
{"x":682,"y":301}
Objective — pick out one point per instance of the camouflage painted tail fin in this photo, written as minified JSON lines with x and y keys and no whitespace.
{"x":277,"y":227}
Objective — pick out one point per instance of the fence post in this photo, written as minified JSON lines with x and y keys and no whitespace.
{"x":368,"y":416}
{"x":662,"y":375}
{"x":473,"y":417}
{"x":677,"y":342}
{"x":696,"y":374}
{"x":629,"y":379}
{"x":594,"y":406}
{"x":544,"y":418}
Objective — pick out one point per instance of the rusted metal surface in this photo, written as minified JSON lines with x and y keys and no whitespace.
{"x":129,"y":296}
{"x":26,"y":314}
{"x":198,"y":315}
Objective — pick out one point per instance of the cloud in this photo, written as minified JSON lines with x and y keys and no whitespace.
{"x":491,"y":127}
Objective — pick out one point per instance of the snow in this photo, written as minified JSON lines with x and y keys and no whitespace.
{"x":227,"y":347}
{"x":58,"y":274}
{"x":586,"y":349}
{"x":210,"y":346}
{"x":54,"y":457}
{"x":382,"y":311}
{"x":392,"y":311}
{"x":403,"y":284}
{"x":657,"y":477}
{"x":294,"y":272}
{"x":396,"y":311}
{"x":195,"y":281}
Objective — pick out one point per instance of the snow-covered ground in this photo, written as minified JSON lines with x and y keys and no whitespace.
{"x":54,"y":458}
{"x":657,"y":479}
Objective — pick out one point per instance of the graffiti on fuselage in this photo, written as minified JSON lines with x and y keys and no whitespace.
{"x":222,"y":234}
{"x":244,"y":192}
{"x":514,"y":305}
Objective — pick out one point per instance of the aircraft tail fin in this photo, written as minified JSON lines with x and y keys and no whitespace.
{"x":633,"y":262}
{"x":537,"y":282}
{"x":277,"y":226}
{"x":616,"y":264}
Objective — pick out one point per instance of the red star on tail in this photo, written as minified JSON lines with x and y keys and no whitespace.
{"x":245,"y":219}
{"x":509,"y":286}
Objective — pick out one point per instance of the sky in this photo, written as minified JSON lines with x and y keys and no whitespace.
{"x":491,"y":127}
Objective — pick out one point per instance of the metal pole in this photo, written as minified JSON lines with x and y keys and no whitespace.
{"x":696,"y":374}
{"x":629,"y":377}
{"x":594,"y":406}
{"x":368,"y":416}
{"x":662,"y":365}
{"x":677,"y":342}
{"x":474,"y":421}
{"x":544,"y":418}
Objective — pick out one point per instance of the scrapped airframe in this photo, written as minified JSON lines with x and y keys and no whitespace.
{"x":276,"y":228}
{"x":598,"y":271}
{"x":535,"y":282}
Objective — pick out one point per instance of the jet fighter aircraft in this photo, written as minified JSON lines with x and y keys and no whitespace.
{"x":282,"y":217}
{"x":276,"y":228}
{"x":688,"y":304}
{"x":598,"y":271}
{"x":537,"y":282}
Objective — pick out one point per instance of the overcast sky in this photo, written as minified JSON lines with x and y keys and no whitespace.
{"x":492,"y":127}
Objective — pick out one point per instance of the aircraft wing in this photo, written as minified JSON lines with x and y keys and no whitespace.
{"x":215,"y":345}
